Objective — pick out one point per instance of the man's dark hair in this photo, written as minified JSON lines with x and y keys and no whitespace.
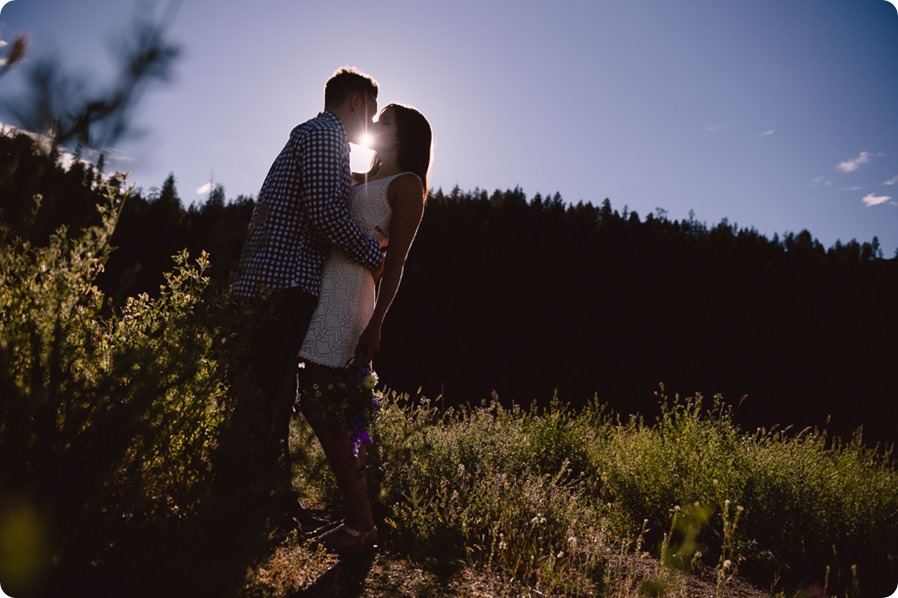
{"x":345,"y":82}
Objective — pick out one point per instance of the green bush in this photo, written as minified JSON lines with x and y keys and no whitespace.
{"x":794,"y":508}
{"x":108,"y":420}
{"x":814,"y":503}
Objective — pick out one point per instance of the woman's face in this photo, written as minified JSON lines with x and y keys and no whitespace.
{"x":384,"y":134}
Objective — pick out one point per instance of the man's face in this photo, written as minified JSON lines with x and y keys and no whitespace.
{"x":365,"y":109}
{"x":370,"y":111}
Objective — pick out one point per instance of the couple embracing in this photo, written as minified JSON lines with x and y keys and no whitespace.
{"x":322,"y":262}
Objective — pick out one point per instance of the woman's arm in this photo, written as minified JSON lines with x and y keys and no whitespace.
{"x":407,"y":198}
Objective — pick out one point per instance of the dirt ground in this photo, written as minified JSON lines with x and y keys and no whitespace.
{"x":296,"y":569}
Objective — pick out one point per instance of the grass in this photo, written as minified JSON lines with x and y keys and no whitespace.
{"x":556,"y":501}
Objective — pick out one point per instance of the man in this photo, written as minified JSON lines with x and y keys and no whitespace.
{"x":300,"y":214}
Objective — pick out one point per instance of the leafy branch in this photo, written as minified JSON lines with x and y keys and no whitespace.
{"x":61,"y":107}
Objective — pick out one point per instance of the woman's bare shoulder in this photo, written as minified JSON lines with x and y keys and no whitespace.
{"x":406,"y":185}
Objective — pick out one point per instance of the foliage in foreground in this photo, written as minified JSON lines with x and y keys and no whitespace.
{"x":551,"y":498}
{"x":107,"y":421}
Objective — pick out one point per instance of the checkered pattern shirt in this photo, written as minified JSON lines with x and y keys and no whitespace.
{"x":301,"y":213}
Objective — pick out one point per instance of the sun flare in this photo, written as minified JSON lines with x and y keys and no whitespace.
{"x":360,"y":154}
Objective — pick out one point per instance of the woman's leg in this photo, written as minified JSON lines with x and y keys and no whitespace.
{"x":336,"y":441}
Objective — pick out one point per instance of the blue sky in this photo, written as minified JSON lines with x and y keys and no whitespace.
{"x":775,"y":114}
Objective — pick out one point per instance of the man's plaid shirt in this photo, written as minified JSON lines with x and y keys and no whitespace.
{"x":301,"y":213}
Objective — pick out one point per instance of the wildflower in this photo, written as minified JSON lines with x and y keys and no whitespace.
{"x":354,"y":401}
{"x":370,"y":379}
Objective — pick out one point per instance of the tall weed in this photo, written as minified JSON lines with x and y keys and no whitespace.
{"x":556,"y":500}
{"x":505,"y":488}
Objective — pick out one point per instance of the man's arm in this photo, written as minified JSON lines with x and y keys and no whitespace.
{"x":326,"y":188}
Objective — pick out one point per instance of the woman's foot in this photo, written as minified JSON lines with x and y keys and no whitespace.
{"x":343,"y":539}
{"x":318,"y":532}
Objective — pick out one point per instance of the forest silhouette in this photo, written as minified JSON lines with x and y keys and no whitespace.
{"x":535,"y":297}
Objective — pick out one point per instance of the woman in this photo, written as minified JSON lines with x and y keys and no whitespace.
{"x":388,"y":204}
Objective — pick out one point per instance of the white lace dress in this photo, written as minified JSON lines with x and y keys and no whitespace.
{"x":347,"y":294}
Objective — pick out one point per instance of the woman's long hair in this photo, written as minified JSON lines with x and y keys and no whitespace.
{"x":415,"y":142}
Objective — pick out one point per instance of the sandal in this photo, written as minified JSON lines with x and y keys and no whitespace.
{"x":321,"y":530}
{"x":343,"y":539}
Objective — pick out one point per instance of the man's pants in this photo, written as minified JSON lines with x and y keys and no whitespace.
{"x":277,"y":329}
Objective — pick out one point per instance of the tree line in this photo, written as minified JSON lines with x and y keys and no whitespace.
{"x":530,"y":297}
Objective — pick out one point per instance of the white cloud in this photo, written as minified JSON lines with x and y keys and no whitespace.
{"x":110,"y":154}
{"x":713,"y":128}
{"x":891,"y":181}
{"x":66,"y":158}
{"x":42,"y":141}
{"x":204,"y":189}
{"x":768,"y":132}
{"x":853,"y":188}
{"x":855,"y":163}
{"x":3,"y":43}
{"x":820,"y":181}
{"x":871,"y":200}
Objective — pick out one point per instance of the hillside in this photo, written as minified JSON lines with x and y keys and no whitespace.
{"x":120,"y":371}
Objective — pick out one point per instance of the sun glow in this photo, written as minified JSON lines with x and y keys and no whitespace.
{"x":360,"y":155}
{"x":365,"y":140}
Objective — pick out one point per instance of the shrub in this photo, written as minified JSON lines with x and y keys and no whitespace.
{"x":789,"y":508}
{"x":107,"y":420}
